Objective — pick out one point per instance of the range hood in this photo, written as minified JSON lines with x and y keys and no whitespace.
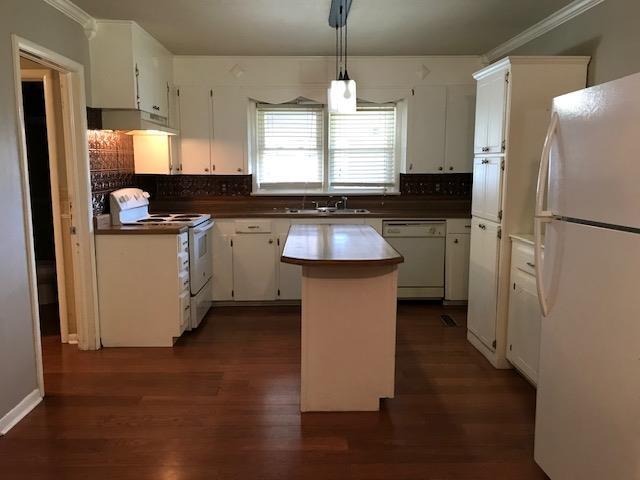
{"x":136,"y":122}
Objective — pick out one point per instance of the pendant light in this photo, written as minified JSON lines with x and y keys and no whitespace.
{"x":341,"y":94}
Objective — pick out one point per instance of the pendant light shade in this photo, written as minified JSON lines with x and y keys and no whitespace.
{"x":341,"y":94}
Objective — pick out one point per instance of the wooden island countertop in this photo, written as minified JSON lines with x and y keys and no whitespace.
{"x":338,"y":245}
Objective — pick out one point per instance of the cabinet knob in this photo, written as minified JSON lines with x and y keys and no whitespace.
{"x":450,"y":168}
{"x":482,"y":226}
{"x":440,"y":168}
{"x":455,"y":241}
{"x":485,"y":149}
{"x":532,"y":265}
{"x":239,"y":169}
{"x":411,"y":166}
{"x":206,"y":169}
{"x":485,"y":161}
{"x":270,"y":240}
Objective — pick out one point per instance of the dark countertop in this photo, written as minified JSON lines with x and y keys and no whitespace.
{"x":321,"y":245}
{"x":140,"y":230}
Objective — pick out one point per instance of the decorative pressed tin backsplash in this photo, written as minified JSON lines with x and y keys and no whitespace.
{"x":437,"y":184}
{"x":111,"y":164}
{"x":194,"y":186}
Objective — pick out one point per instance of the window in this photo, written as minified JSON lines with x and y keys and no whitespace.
{"x":289,"y":146}
{"x":362,"y":148}
{"x":291,"y":141}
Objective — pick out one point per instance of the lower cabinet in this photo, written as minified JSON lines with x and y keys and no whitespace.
{"x":483,"y":280}
{"x":254,"y":269}
{"x":289,"y":276}
{"x":456,"y":268}
{"x":523,"y":334}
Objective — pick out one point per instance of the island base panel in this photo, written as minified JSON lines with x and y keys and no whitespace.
{"x":348,"y":337}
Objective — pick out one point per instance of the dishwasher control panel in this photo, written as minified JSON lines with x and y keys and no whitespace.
{"x":413,"y":228}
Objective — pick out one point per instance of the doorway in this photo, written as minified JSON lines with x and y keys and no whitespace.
{"x":50,"y":203}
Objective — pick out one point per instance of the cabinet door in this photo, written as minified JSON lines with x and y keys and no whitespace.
{"x":490,"y":113}
{"x":222,"y":258}
{"x":195,"y":129}
{"x":524,"y":324}
{"x":496,"y":86}
{"x":289,"y":276}
{"x":154,"y":72}
{"x":254,"y":268}
{"x":478,"y":187}
{"x":228,"y":131}
{"x":456,"y":285}
{"x":492,"y":205}
{"x":461,"y":102}
{"x":426,"y":119}
{"x":483,"y":280}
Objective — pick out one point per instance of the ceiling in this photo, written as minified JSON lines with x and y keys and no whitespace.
{"x":300,"y":27}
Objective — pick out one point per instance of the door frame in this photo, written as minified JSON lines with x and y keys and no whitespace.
{"x":45,"y":75}
{"x":74,"y":127}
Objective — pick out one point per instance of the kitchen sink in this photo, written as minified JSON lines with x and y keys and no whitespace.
{"x":327,"y":211}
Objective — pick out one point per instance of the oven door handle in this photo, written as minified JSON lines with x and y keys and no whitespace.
{"x":199,"y":230}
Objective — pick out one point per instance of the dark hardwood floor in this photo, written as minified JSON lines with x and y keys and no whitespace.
{"x":223,"y":404}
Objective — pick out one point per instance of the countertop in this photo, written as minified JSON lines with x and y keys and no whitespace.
{"x":338,"y":245}
{"x":140,"y":230}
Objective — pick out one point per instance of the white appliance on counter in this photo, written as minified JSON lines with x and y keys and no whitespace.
{"x":422,"y":244}
{"x":130,"y":206}
{"x":588,"y":405}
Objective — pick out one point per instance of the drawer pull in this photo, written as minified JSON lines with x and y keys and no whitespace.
{"x":485,"y":161}
{"x":253,"y":226}
{"x":187,"y":308}
{"x":185,"y":283}
{"x":482,"y":226}
{"x":532,"y":265}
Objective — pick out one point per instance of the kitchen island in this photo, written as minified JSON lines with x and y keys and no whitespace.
{"x":349,"y":294}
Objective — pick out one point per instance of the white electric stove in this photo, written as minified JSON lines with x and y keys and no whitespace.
{"x":130,"y":206}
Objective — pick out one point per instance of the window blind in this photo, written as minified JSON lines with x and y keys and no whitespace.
{"x":362,"y":148}
{"x":289,"y":145}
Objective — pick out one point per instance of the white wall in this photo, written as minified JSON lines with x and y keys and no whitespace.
{"x":279,"y":79}
{"x":36,"y":21}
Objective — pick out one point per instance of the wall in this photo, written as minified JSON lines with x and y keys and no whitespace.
{"x":234,"y":80}
{"x":608,"y":33}
{"x":36,"y":21}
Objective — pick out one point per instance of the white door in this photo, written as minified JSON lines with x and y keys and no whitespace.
{"x":483,"y":280}
{"x":461,"y":103}
{"x":478,"y":187}
{"x":289,"y":276}
{"x":481,"y":119}
{"x":426,"y":119}
{"x":524,"y":324}
{"x":594,"y":169}
{"x":457,"y":267}
{"x":492,"y":205}
{"x":588,"y":403}
{"x":195,"y":129}
{"x":254,"y":267}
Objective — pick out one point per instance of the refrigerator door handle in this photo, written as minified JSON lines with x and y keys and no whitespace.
{"x":542,"y":216}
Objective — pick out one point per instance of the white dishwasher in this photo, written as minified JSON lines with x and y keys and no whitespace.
{"x":422,"y":244}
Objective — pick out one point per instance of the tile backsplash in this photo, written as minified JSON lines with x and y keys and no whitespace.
{"x":111,"y":164}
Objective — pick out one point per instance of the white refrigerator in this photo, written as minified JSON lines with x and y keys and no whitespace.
{"x":588,"y":207}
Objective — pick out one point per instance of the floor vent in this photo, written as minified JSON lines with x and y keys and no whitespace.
{"x":448,"y":321}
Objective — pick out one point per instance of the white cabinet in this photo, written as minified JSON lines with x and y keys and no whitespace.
{"x":209,"y":126}
{"x":483,"y":280}
{"x":254,"y":268}
{"x":524,"y":324}
{"x":457,"y":260}
{"x":459,"y":131}
{"x":426,"y":129}
{"x":486,"y":200}
{"x":491,"y":101}
{"x":129,"y":69}
{"x":222,"y":258}
{"x":289,"y":276}
{"x":196,"y":118}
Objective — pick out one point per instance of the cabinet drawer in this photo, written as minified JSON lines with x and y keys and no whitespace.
{"x":183,"y":279}
{"x":185,"y":310}
{"x":458,"y":225}
{"x":183,"y":243}
{"x":183,"y":262}
{"x":253,"y":226}
{"x":522,"y":257}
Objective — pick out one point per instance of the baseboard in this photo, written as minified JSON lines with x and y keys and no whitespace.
{"x":72,"y":338}
{"x":20,"y":411}
{"x":453,"y":303}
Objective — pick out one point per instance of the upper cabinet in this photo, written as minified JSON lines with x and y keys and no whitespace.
{"x":491,"y":99}
{"x":129,"y":69}
{"x":440,"y":129}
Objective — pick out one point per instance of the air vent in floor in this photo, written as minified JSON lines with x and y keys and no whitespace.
{"x":448,"y":321}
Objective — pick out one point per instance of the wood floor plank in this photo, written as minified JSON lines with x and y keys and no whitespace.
{"x":223,"y":404}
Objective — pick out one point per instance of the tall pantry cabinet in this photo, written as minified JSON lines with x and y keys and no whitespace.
{"x":513,"y":108}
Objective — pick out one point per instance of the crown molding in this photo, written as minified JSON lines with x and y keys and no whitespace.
{"x":76,"y":14}
{"x":566,"y":13}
